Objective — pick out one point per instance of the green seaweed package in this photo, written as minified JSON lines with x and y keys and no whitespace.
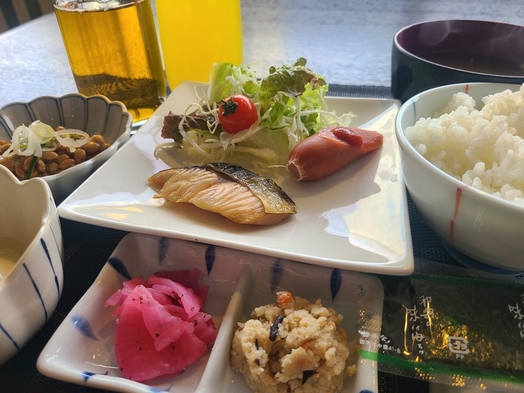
{"x":459,"y":331}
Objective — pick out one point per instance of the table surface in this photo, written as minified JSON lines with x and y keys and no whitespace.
{"x":349,"y":42}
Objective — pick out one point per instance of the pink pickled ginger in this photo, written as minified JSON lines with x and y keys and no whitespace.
{"x":161,"y":329}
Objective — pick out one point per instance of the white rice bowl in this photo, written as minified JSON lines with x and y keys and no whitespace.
{"x":483,"y":147}
{"x":463,"y":164}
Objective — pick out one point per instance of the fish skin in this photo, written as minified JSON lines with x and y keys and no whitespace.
{"x":240,"y":195}
{"x":275,"y":200}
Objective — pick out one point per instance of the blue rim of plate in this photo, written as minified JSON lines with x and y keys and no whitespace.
{"x":471,"y":263}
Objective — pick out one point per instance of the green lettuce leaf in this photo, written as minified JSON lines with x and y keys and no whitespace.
{"x":287,"y":80}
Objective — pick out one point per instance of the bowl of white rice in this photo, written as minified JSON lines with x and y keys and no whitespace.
{"x":462,"y":151}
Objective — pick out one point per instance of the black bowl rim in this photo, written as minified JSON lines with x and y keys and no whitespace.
{"x":400,"y":48}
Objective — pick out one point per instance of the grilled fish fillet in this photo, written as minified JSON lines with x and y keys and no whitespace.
{"x":230,"y":190}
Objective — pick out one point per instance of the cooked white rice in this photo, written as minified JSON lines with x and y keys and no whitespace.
{"x":483,"y":148}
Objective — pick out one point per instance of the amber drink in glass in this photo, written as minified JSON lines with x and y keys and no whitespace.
{"x":113,"y":50}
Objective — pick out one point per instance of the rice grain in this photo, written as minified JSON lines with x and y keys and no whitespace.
{"x":484,"y":148}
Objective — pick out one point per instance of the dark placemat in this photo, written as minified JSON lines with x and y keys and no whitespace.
{"x":88,"y":247}
{"x":359,"y":91}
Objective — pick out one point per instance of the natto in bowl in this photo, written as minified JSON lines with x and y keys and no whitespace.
{"x":95,"y":115}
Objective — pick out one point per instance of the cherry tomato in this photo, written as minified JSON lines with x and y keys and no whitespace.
{"x":237,"y":113}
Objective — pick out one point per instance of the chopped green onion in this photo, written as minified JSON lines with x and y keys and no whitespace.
{"x":72,"y":138}
{"x":31,"y":167}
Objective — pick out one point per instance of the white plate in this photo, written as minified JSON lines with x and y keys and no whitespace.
{"x":81,"y":350}
{"x":355,"y":219}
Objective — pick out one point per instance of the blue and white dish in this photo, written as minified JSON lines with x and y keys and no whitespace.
{"x":81,"y":350}
{"x":30,"y":290}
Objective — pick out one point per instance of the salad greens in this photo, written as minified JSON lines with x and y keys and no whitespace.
{"x":290,"y":104}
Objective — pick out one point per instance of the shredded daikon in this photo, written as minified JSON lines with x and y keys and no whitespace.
{"x":290,"y":105}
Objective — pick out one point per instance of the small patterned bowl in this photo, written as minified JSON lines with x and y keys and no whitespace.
{"x":94,"y":115}
{"x":30,"y":290}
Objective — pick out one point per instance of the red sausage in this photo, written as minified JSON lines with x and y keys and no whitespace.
{"x":329,"y":150}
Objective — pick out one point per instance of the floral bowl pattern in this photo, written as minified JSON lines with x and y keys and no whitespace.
{"x":94,"y":115}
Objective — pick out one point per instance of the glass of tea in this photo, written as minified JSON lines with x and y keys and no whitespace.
{"x":195,"y":34}
{"x":113,"y":50}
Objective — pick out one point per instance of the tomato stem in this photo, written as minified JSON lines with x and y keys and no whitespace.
{"x":229,"y":106}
